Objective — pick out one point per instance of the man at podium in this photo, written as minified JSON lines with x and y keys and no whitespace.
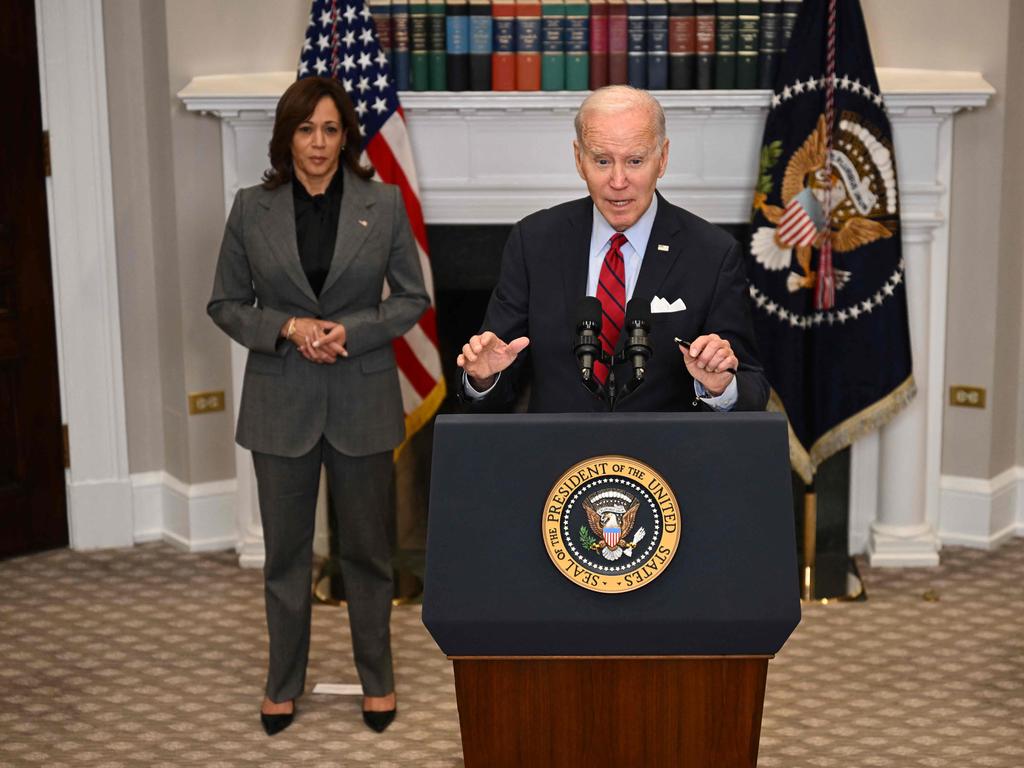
{"x":629,"y":248}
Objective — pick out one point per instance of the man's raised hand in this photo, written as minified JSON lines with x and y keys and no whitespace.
{"x":485,"y":356}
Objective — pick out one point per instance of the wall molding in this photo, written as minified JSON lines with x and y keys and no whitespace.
{"x":197,"y":518}
{"x":83,"y":256}
{"x":976,"y":512}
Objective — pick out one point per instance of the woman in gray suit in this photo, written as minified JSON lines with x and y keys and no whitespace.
{"x":299,"y":282}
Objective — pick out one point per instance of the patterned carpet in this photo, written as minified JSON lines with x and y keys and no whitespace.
{"x":154,"y":657}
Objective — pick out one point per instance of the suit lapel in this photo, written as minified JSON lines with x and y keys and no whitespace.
{"x":657,"y":263}
{"x":576,"y":252}
{"x":354,"y":224}
{"x":278,"y":226}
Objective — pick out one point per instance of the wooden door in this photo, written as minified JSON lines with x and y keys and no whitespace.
{"x":33,"y":514}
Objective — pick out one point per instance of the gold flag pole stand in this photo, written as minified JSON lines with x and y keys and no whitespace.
{"x":810,"y":544}
{"x":808,"y":593}
{"x":329,"y":586}
{"x":329,"y":589}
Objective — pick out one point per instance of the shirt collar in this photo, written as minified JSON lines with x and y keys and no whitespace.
{"x":334,"y":188}
{"x":637,"y":235}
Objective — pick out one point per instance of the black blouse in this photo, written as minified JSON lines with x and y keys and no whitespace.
{"x":316,"y":227}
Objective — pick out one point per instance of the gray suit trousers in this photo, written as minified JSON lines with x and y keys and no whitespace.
{"x":362,"y":497}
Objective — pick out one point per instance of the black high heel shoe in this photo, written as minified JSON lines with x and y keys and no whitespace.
{"x":378,"y":721}
{"x":274,"y":724}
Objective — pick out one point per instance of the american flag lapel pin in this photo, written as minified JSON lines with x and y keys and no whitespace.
{"x":662,"y":247}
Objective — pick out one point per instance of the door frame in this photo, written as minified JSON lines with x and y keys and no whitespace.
{"x":83,"y":260}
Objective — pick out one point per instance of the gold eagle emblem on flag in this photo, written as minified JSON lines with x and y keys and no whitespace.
{"x":862,"y":208}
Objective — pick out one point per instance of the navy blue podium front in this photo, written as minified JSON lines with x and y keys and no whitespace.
{"x":683,"y":652}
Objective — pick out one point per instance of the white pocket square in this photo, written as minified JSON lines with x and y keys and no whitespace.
{"x":662,"y":305}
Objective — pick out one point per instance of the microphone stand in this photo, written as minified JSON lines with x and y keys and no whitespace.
{"x":610,"y":392}
{"x":589,"y":351}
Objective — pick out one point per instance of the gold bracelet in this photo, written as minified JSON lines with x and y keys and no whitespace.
{"x":291,"y":328}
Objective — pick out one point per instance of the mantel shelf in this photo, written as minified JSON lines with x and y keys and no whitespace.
{"x":937,"y":90}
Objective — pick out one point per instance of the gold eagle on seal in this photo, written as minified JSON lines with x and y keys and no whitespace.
{"x":611,"y":515}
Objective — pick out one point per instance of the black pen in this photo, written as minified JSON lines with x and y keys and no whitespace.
{"x":686,"y":344}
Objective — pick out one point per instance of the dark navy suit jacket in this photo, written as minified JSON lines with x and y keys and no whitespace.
{"x":544,"y":274}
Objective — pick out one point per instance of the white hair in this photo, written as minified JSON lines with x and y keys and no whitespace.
{"x":615,"y":98}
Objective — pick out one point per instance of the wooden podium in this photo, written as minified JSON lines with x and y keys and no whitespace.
{"x":671,"y":674}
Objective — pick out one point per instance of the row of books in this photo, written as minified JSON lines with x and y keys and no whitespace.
{"x":575,"y":45}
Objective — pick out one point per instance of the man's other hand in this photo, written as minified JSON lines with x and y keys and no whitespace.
{"x":707,"y":360}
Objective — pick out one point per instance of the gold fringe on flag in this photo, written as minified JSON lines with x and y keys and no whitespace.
{"x":845,"y":433}
{"x":424,"y":412}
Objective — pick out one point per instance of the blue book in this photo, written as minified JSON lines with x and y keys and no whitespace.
{"x":457,"y":45}
{"x":399,"y":56}
{"x":636,"y":35}
{"x":657,"y":45}
{"x":481,"y":34}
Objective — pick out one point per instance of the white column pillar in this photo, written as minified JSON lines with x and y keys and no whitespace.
{"x":247,"y":508}
{"x":902,"y":533}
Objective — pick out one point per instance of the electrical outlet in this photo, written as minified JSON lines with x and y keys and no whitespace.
{"x":967,"y":397}
{"x":206,"y":402}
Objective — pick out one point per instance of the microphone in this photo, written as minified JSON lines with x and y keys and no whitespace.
{"x":638,"y":345}
{"x":588,"y":331}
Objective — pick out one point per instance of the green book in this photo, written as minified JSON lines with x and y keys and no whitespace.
{"x":437,"y":42}
{"x":748,"y":42}
{"x":552,"y":45}
{"x":577,"y":45}
{"x":419,"y":46}
{"x":725,"y":44}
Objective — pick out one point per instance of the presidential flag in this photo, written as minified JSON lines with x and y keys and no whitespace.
{"x":826,"y":268}
{"x":341,"y":42}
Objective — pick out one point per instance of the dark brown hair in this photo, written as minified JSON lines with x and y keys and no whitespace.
{"x":294,"y":108}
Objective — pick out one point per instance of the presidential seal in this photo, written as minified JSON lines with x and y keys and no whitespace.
{"x":611,"y":524}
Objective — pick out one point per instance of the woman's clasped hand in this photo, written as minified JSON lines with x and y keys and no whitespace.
{"x":319,"y":341}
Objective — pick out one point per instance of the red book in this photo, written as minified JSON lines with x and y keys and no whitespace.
{"x":503,"y":59}
{"x":618,"y":43}
{"x":527,"y":45}
{"x":705,"y":10}
{"x":598,"y":44}
{"x":682,"y":44}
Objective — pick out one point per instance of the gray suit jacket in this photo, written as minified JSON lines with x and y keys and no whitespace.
{"x":287,"y":401}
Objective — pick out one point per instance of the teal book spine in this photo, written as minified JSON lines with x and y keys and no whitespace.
{"x":552,"y":45}
{"x":419,"y":47}
{"x":436,"y":39}
{"x":577,"y":46}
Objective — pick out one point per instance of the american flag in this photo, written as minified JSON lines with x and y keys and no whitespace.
{"x":802,"y":220}
{"x":341,"y":42}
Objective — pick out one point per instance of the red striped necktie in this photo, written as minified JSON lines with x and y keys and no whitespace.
{"x":611,"y":292}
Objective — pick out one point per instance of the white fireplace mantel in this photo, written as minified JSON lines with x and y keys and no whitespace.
{"x":488,"y":157}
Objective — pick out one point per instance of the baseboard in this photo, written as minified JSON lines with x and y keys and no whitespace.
{"x":100,"y":514}
{"x":197,"y":518}
{"x":981,"y":513}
